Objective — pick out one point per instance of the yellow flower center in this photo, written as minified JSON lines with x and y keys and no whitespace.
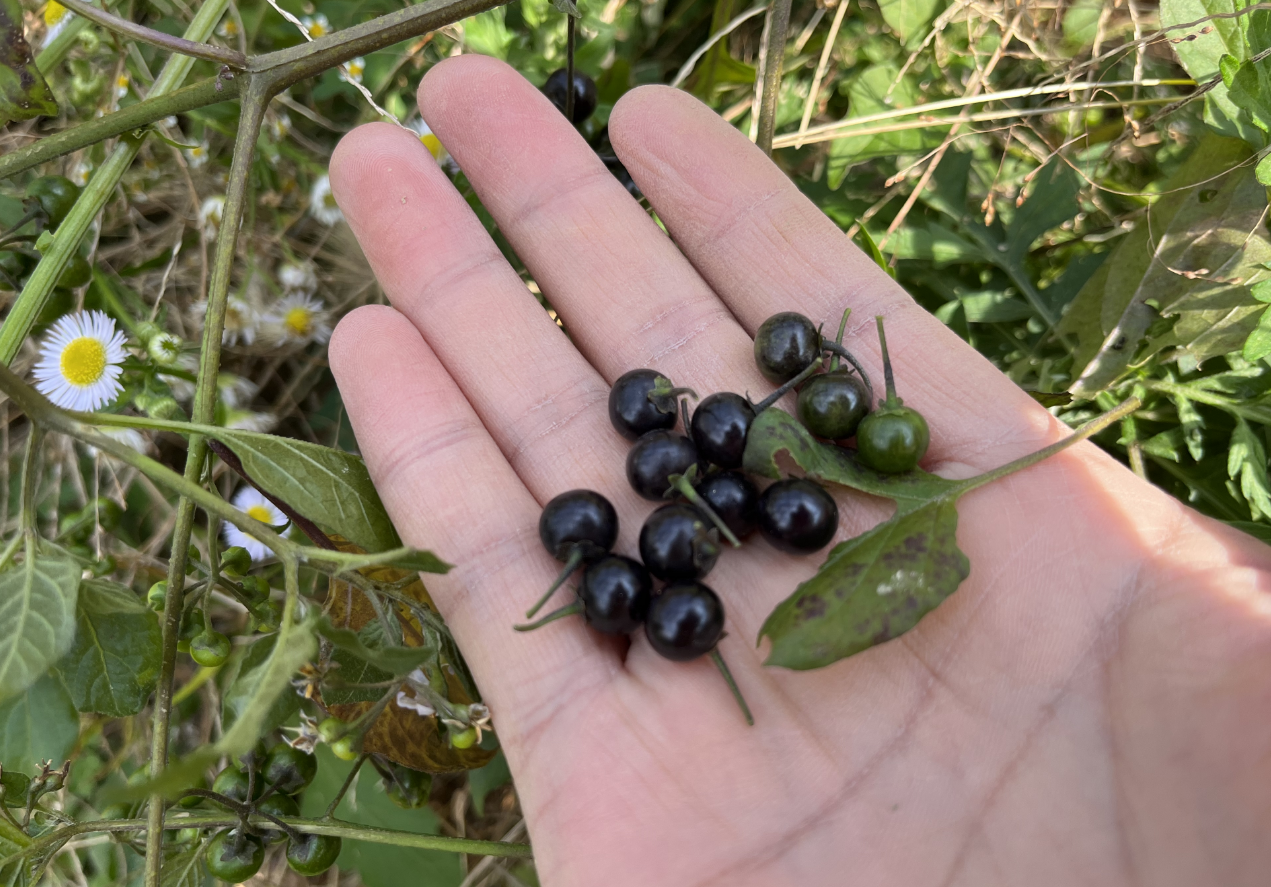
{"x":299,"y":321}
{"x":54,"y":13}
{"x":84,"y":361}
{"x":432,"y":143}
{"x":260,"y":513}
{"x":317,"y":29}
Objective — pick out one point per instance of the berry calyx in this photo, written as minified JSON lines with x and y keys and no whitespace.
{"x":654,"y":458}
{"x":894,"y":438}
{"x":234,"y":857}
{"x":641,"y":401}
{"x":797,"y":516}
{"x":685,"y":621}
{"x":677,"y":543}
{"x":313,"y":854}
{"x":288,"y":769}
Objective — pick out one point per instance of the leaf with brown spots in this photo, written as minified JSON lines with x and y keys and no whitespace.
{"x":871,"y":589}
{"x":23,"y":92}
{"x":399,"y":734}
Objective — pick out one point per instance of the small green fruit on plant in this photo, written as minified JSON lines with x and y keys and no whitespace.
{"x":232,"y":783}
{"x":234,"y":857}
{"x":313,"y":854}
{"x":331,"y":729}
{"x":462,"y":739}
{"x":277,"y":805}
{"x":236,"y":561}
{"x":893,"y":439}
{"x":289,"y":769}
{"x":832,"y":405}
{"x":157,"y":596}
{"x":345,"y":748}
{"x":56,"y":195}
{"x":407,"y":788}
{"x":210,"y":649}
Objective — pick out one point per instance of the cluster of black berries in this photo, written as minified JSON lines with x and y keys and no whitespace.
{"x":680,"y":540}
{"x":584,"y":106}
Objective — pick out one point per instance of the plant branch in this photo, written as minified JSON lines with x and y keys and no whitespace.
{"x":231,"y":57}
{"x":90,"y":132}
{"x":774,"y":58}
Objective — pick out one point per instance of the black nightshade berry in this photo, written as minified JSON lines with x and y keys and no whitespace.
{"x":784,"y":346}
{"x":676,"y":542}
{"x":719,"y":428}
{"x":632,"y":412}
{"x":797,"y":515}
{"x":685,"y":621}
{"x":615,"y":593}
{"x":735,"y":498}
{"x":832,"y":405}
{"x":584,"y":93}
{"x":654,"y":458}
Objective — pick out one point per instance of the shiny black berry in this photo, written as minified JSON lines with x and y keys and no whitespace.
{"x":685,"y":621}
{"x":797,"y":515}
{"x":676,"y":542}
{"x":784,"y":346}
{"x":735,"y":498}
{"x":654,"y":458}
{"x":578,"y":519}
{"x":632,"y":412}
{"x":288,"y":769}
{"x":584,"y":93}
{"x":719,"y":428}
{"x":832,"y":405}
{"x":615,"y":592}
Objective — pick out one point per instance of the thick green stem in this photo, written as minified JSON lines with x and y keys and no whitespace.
{"x":90,"y":132}
{"x":774,"y":58}
{"x":69,"y":234}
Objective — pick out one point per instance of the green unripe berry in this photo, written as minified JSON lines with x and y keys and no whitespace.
{"x":233,"y":857}
{"x":187,"y":835}
{"x":313,"y":854}
{"x":289,"y":769}
{"x":210,"y":649}
{"x":278,"y":805}
{"x":157,"y":596}
{"x":463,"y":738}
{"x":407,"y":788}
{"x":232,"y":783}
{"x":236,"y":561}
{"x":76,"y":273}
{"x":345,"y":748}
{"x":267,"y":616}
{"x":331,"y":729}
{"x":56,"y":195}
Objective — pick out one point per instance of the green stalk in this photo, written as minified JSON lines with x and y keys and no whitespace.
{"x":90,"y":132}
{"x":774,"y":58}
{"x":69,"y":234}
{"x":54,"y":53}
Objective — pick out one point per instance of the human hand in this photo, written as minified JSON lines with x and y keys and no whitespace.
{"x":1093,"y":705}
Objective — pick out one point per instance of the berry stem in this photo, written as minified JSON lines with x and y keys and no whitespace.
{"x":344,"y":787}
{"x":892,"y":400}
{"x":732,"y":685}
{"x":787,"y":387}
{"x":838,"y":340}
{"x":571,"y":564}
{"x":840,"y":351}
{"x":683,"y":484}
{"x":569,"y":68}
{"x":576,"y":608}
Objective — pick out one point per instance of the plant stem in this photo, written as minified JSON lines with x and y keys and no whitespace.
{"x":888,"y":380}
{"x":683,"y":484}
{"x":839,"y":351}
{"x":156,"y":107}
{"x":344,"y":788}
{"x":29,"y":478}
{"x":1089,"y":429}
{"x":788,"y":386}
{"x":724,"y":670}
{"x":231,"y":57}
{"x":569,"y":68}
{"x":574,"y":609}
{"x":572,"y":563}
{"x":838,"y":340}
{"x":774,"y":58}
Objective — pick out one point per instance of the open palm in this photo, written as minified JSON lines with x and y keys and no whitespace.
{"x":1093,"y":706}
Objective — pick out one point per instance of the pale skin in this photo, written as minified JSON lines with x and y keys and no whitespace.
{"x":1092,"y":706}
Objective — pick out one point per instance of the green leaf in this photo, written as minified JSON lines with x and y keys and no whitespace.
{"x":1250,"y":90}
{"x":486,"y":779}
{"x":1193,"y":424}
{"x":870,"y":246}
{"x":1081,"y":23}
{"x":37,"y":726}
{"x":114,"y":663}
{"x":488,"y":34}
{"x":37,"y":618}
{"x":260,"y":697}
{"x":909,"y":18}
{"x":992,"y":306}
{"x":868,"y":94}
{"x":774,"y":432}
{"x":934,"y":243}
{"x":1190,"y":264}
{"x":1258,"y":345}
{"x":871,"y":589}
{"x":1052,"y":202}
{"x":379,"y":865}
{"x":1247,"y":464}
{"x":393,"y":659}
{"x":23,"y":92}
{"x":1263,"y":171}
{"x":330,"y":487}
{"x":185,"y":868}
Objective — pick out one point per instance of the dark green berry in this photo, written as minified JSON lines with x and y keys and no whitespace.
{"x":784,"y":346}
{"x":234,"y":857}
{"x":277,"y":805}
{"x":832,"y":405}
{"x":232,"y":783}
{"x":288,"y":769}
{"x":313,"y":854}
{"x":56,"y":196}
{"x":893,"y":439}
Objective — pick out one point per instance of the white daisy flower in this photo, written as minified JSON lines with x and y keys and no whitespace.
{"x":279,"y":125}
{"x":235,"y":391}
{"x":121,"y":86}
{"x":79,"y":361}
{"x":80,"y":172}
{"x":353,"y":70}
{"x":210,"y":215}
{"x":299,"y":317}
{"x":197,"y":155}
{"x":56,"y":18}
{"x":316,"y":25}
{"x":431,"y":142}
{"x":239,"y":324}
{"x":322,"y":205}
{"x":298,"y":277}
{"x":228,"y":28}
{"x":254,"y":504}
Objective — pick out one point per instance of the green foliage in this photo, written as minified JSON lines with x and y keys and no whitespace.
{"x":23,"y":92}
{"x":37,"y":617}
{"x":114,"y":662}
{"x":395,"y":660}
{"x":878,"y":89}
{"x":39,"y":725}
{"x":257,"y":696}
